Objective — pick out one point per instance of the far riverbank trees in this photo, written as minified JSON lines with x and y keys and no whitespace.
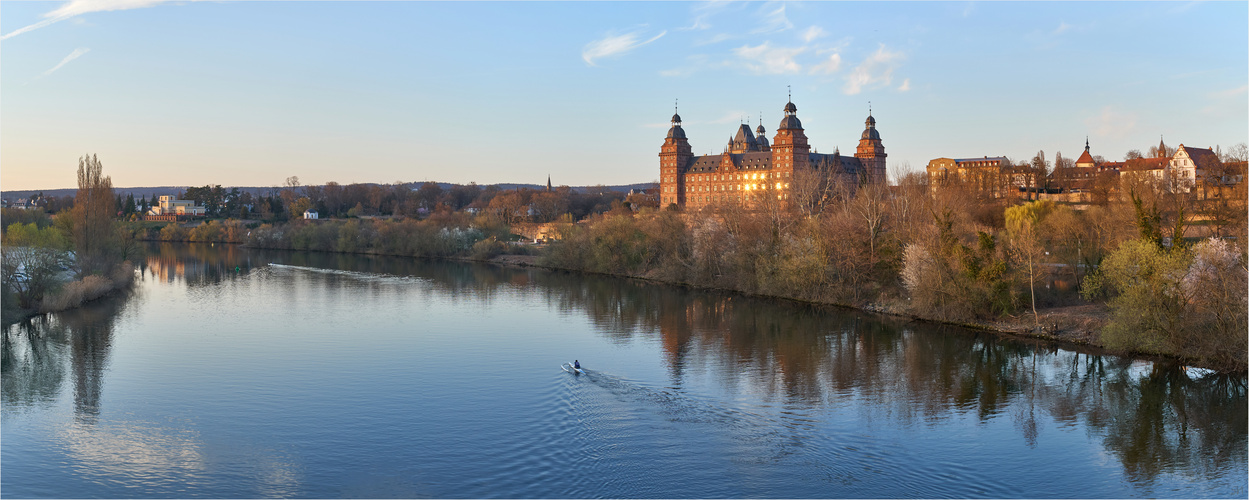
{"x":943,"y":254}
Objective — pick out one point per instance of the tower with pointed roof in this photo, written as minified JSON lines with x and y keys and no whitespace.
{"x":871,"y":151}
{"x":1085,"y":160}
{"x":751,"y":170}
{"x":674,"y":156}
{"x":790,"y":150}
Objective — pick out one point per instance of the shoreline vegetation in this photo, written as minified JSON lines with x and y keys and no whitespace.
{"x":693,"y":250}
{"x":1149,"y":269}
{"x":55,"y":263}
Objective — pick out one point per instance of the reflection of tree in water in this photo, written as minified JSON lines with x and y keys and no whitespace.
{"x":1157,"y":422}
{"x":31,"y":365}
{"x":36,"y":352}
{"x":1167,"y":422}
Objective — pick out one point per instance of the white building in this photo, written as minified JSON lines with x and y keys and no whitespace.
{"x":171,"y":206}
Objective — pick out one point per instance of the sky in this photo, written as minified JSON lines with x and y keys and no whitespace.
{"x":193,"y":93}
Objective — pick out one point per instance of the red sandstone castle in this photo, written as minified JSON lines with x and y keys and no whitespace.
{"x":750,"y":168}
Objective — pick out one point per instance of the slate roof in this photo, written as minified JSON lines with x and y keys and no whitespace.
{"x":1200,"y":155}
{"x":757,"y":160}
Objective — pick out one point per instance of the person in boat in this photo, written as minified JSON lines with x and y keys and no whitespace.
{"x":576,"y":364}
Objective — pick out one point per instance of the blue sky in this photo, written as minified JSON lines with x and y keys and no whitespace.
{"x":250,"y":93}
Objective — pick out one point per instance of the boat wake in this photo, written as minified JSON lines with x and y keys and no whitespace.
{"x":356,"y":275}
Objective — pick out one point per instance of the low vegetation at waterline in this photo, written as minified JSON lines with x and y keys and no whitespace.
{"x":447,"y":235}
{"x":52,"y":264}
{"x":928,"y":256}
{"x":1178,"y":300}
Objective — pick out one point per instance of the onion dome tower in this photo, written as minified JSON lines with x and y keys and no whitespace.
{"x":674,"y":157}
{"x":790,"y":150}
{"x":871,"y":152}
{"x":760,"y":135}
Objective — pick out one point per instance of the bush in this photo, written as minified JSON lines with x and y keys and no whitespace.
{"x":76,"y":293}
{"x":488,"y":249}
{"x":174,"y":232}
{"x":1188,"y":303}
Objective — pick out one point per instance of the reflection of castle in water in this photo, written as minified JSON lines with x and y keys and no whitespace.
{"x":903,"y":372}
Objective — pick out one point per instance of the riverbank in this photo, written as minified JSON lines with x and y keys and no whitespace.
{"x":1076,"y":325}
{"x":76,"y":293}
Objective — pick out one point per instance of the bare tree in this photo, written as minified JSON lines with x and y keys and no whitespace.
{"x":93,"y":228}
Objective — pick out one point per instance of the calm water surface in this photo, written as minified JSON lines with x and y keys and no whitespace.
{"x":237,"y":373}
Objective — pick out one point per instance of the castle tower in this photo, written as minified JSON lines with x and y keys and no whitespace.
{"x":674,"y":156}
{"x":760,"y":137}
{"x":790,"y":150}
{"x":871,"y":152}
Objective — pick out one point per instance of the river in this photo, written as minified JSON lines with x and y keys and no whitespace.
{"x":230,"y":372}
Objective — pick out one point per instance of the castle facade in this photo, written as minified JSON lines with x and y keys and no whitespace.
{"x":751,"y":168}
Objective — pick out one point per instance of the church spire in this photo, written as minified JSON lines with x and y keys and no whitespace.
{"x":1086,"y":144}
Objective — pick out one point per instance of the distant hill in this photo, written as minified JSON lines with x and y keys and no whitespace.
{"x":151,"y":192}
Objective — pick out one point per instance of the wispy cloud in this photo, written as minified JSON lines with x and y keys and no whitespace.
{"x":876,"y":70}
{"x":702,"y":14}
{"x":76,"y":8}
{"x":1112,"y":123}
{"x":906,"y":85}
{"x":829,"y":66}
{"x":719,"y":37}
{"x":774,"y":21}
{"x":72,"y":55}
{"x":813,"y":33}
{"x":1231,"y":92}
{"x":764,"y":59}
{"x":1062,"y":28}
{"x":614,"y":45}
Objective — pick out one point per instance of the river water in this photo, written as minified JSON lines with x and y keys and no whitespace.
{"x":237,"y":373}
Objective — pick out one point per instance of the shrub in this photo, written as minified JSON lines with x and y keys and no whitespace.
{"x":488,"y":249}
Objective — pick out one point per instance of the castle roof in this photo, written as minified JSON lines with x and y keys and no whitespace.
{"x":744,"y":135}
{"x":1085,"y":158}
{"x":790,"y":122}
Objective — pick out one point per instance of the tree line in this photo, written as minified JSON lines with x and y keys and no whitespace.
{"x":55,"y":263}
{"x":946,"y":252}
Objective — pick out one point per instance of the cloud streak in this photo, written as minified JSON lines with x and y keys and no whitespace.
{"x":876,"y":70}
{"x":614,"y":45}
{"x":764,"y":59}
{"x":1112,"y":123}
{"x":78,"y":52}
{"x":774,"y":21}
{"x":830,"y":65}
{"x":76,"y":8}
